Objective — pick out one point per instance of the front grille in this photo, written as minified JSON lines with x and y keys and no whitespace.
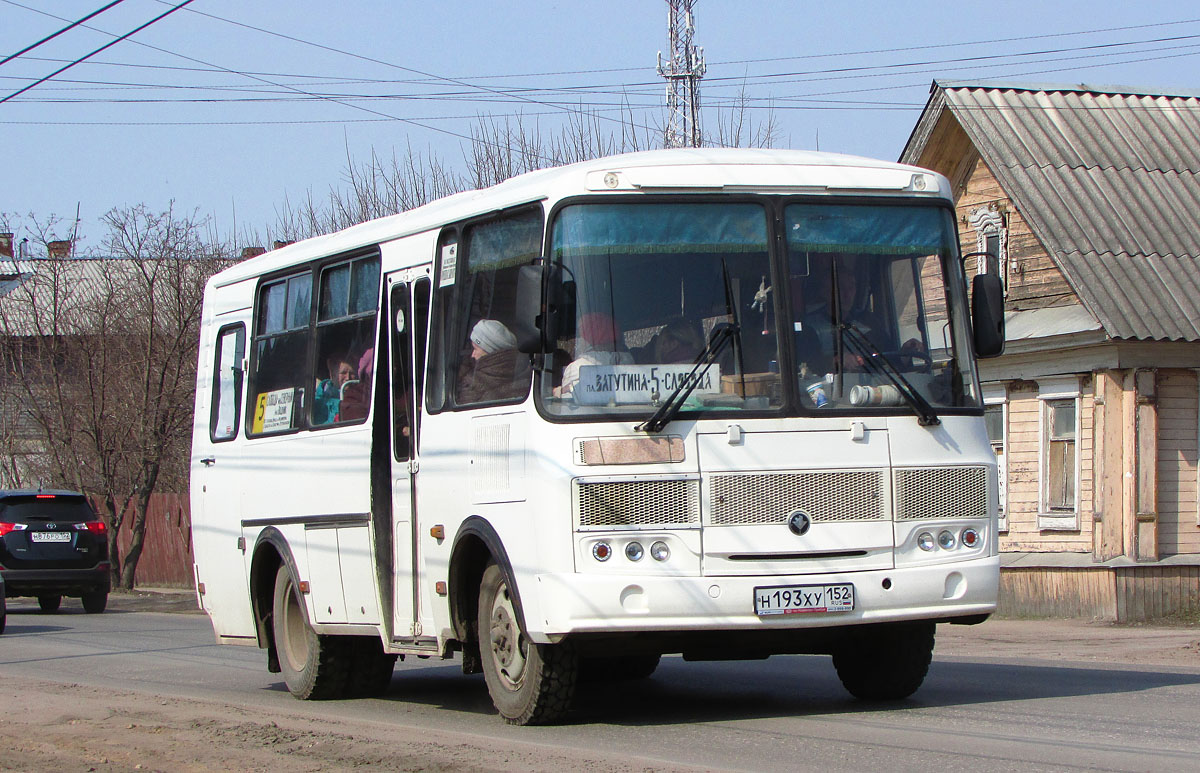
{"x":940,"y":492}
{"x":833,"y":496}
{"x":637,"y":503}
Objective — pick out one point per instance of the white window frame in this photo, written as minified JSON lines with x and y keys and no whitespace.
{"x":997,"y":394}
{"x":989,"y":220}
{"x":1057,"y":388}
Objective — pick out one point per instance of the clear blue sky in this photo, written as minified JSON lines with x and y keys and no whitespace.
{"x":222,"y":117}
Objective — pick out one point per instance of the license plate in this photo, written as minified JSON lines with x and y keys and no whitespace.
{"x":798,"y":599}
{"x":51,"y":536}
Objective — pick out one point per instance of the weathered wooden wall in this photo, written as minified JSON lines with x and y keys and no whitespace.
{"x":1126,"y":594}
{"x":1178,"y":426}
{"x":1149,"y":592}
{"x":1022,"y":454}
{"x":166,"y":559}
{"x":1058,"y":592}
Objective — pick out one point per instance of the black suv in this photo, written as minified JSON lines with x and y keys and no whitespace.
{"x":52,"y":544}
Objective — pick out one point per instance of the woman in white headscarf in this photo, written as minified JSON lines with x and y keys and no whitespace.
{"x":496,"y":370}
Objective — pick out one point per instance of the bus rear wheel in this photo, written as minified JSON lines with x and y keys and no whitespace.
{"x":888,"y":664}
{"x":370,"y":670}
{"x":530,"y":684}
{"x":313,"y":665}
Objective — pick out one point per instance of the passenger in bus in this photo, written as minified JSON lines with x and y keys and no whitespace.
{"x":495,"y":370}
{"x":327,"y":398}
{"x":815,"y":341}
{"x":356,"y":395}
{"x":676,"y":342}
{"x":599,"y":342}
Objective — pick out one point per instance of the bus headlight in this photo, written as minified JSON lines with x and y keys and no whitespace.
{"x":947,"y":540}
{"x":925,"y":541}
{"x":634,"y":551}
{"x":659,"y":551}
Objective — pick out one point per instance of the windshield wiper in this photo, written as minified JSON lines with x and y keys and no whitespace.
{"x":926,"y":416}
{"x":722,"y":334}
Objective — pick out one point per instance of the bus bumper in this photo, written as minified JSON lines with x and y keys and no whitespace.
{"x":581,"y":603}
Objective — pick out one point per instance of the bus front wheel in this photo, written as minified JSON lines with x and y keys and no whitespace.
{"x":530,"y":684}
{"x":312,"y":666}
{"x":888,"y":664}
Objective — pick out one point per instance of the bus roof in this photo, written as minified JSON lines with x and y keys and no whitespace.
{"x":694,"y":170}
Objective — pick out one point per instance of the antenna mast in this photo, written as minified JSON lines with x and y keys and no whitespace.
{"x":683,"y":71}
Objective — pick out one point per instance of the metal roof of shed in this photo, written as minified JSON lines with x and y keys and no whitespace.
{"x":1109,"y":181}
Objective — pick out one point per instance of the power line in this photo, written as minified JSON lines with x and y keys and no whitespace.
{"x":98,"y":50}
{"x":67,"y":28}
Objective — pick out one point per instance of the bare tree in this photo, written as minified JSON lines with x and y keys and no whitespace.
{"x":102,"y":352}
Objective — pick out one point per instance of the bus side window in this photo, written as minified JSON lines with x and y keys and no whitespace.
{"x":346,"y":332}
{"x":227,"y":383}
{"x":484,"y":364}
{"x":281,"y":342}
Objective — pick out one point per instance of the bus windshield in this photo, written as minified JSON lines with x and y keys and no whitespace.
{"x":649,"y":286}
{"x":878,"y":320}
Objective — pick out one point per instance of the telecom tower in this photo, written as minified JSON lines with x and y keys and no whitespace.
{"x":683,"y":71}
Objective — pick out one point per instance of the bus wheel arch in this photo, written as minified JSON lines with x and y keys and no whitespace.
{"x":271,"y":551}
{"x":475,"y":546}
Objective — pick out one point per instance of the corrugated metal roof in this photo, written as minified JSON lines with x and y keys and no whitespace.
{"x":1110,"y":184}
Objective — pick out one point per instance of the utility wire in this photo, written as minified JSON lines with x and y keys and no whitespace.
{"x":98,"y":50}
{"x":70,"y":26}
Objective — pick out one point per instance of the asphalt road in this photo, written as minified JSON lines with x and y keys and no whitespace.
{"x":988,"y":704}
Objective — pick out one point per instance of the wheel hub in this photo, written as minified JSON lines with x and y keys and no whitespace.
{"x":507,"y":644}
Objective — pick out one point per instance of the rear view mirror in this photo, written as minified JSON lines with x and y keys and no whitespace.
{"x":539,"y":306}
{"x":987,"y":315}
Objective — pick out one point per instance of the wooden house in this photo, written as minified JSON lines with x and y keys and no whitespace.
{"x":1088,"y":201}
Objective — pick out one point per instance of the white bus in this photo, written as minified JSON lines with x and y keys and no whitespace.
{"x":717,"y":403}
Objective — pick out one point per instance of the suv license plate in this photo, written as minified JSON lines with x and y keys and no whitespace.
{"x":797,"y":599}
{"x":51,"y":536}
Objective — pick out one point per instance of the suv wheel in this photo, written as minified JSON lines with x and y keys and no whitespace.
{"x":49,"y":603}
{"x":95,"y":602}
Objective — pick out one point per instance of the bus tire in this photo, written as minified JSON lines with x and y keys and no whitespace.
{"x":530,"y":684}
{"x":887,"y":665}
{"x":314,"y":666}
{"x":370,"y":669}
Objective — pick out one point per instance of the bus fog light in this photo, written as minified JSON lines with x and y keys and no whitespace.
{"x":634,"y":551}
{"x":659,"y":551}
{"x":601,"y":551}
{"x":947,"y":540}
{"x":925,"y":541}
{"x":969,"y":538}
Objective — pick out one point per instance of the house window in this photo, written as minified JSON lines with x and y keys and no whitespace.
{"x":991,"y":236}
{"x":995,"y":416}
{"x":1059,"y":455}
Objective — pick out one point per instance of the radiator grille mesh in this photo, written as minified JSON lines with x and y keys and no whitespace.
{"x":638,"y":503}
{"x":855,"y":495}
{"x":940,"y":492}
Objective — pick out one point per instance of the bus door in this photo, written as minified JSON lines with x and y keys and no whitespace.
{"x":216,"y":528}
{"x":408,"y":307}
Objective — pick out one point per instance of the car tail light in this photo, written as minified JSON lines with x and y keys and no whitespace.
{"x":5,"y":528}
{"x":96,"y":526}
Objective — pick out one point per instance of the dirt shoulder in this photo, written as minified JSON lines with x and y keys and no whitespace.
{"x":1053,"y":639}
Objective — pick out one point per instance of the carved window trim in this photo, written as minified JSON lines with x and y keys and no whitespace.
{"x":991,"y":221}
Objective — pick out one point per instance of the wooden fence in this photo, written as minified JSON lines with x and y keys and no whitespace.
{"x":167,"y":551}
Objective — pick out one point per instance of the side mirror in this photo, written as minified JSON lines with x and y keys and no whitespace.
{"x":539,"y":305}
{"x":987,"y":315}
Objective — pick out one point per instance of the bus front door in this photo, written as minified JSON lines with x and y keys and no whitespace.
{"x":408,"y":304}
